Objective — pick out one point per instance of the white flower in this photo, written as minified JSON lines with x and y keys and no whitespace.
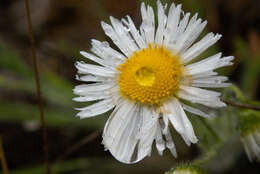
{"x":251,"y":144}
{"x":146,"y":82}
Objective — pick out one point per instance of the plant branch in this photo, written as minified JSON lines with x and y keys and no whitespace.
{"x":2,"y":158}
{"x":241,"y":105}
{"x":38,"y":88}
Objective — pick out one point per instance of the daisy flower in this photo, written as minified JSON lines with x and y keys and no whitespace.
{"x":147,"y":79}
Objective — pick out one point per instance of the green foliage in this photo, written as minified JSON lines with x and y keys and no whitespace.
{"x":251,"y":67}
{"x":57,"y":94}
{"x":55,"y":116}
{"x":248,"y":122}
{"x":9,"y":61}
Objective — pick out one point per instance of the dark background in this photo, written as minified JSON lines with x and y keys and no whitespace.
{"x":62,"y":28}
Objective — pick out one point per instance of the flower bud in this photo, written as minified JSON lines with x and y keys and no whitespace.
{"x":249,"y":129}
{"x":187,"y":169}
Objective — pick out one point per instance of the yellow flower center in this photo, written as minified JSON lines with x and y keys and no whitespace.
{"x":150,"y":76}
{"x":145,"y":76}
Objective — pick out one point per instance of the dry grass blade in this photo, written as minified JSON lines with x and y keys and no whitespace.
{"x":2,"y":158}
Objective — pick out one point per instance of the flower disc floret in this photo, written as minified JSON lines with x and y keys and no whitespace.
{"x":150,"y":76}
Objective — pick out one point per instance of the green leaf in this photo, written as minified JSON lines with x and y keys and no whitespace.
{"x":9,"y":61}
{"x":54,"y":116}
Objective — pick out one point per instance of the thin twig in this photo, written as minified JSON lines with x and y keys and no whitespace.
{"x":241,"y":105}
{"x":79,"y":144}
{"x":2,"y":158}
{"x":39,"y":97}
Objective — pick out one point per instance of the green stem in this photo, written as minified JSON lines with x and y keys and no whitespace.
{"x":241,"y":105}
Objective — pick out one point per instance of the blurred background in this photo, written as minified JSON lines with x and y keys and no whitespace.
{"x":62,"y":28}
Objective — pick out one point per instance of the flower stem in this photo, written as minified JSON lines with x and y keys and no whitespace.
{"x":2,"y":158}
{"x":241,"y":105}
{"x":38,"y":88}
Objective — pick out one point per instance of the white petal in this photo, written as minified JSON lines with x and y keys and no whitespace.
{"x":129,"y":141}
{"x":200,"y":47}
{"x":208,"y":85}
{"x":201,"y":96}
{"x":128,"y":126}
{"x":182,"y":26}
{"x":189,"y":132}
{"x":121,"y":44}
{"x":97,"y":108}
{"x":198,"y":29}
{"x":92,"y":78}
{"x":90,"y":98}
{"x":211,"y":80}
{"x":160,"y":143}
{"x":122,"y":32}
{"x":95,"y":88}
{"x":180,"y":121}
{"x":117,"y":122}
{"x":174,"y":117}
{"x":147,"y":133}
{"x":96,"y":59}
{"x":225,"y":61}
{"x":193,"y":29}
{"x":195,"y":111}
{"x":203,"y":93}
{"x":147,"y":27}
{"x":161,"y":23}
{"x":209,"y":64}
{"x":206,"y":74}
{"x":135,"y":33}
{"x":172,"y":23}
{"x":103,"y":50}
{"x":170,"y":144}
{"x":109,"y":57}
{"x":204,"y":65}
{"x":84,"y":68}
{"x":120,"y":131}
{"x":98,"y":94}
{"x":166,"y":123}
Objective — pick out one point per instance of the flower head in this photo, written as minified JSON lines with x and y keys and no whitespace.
{"x":249,"y":128}
{"x":146,"y":82}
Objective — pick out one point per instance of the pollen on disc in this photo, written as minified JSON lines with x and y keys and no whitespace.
{"x":150,"y":76}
